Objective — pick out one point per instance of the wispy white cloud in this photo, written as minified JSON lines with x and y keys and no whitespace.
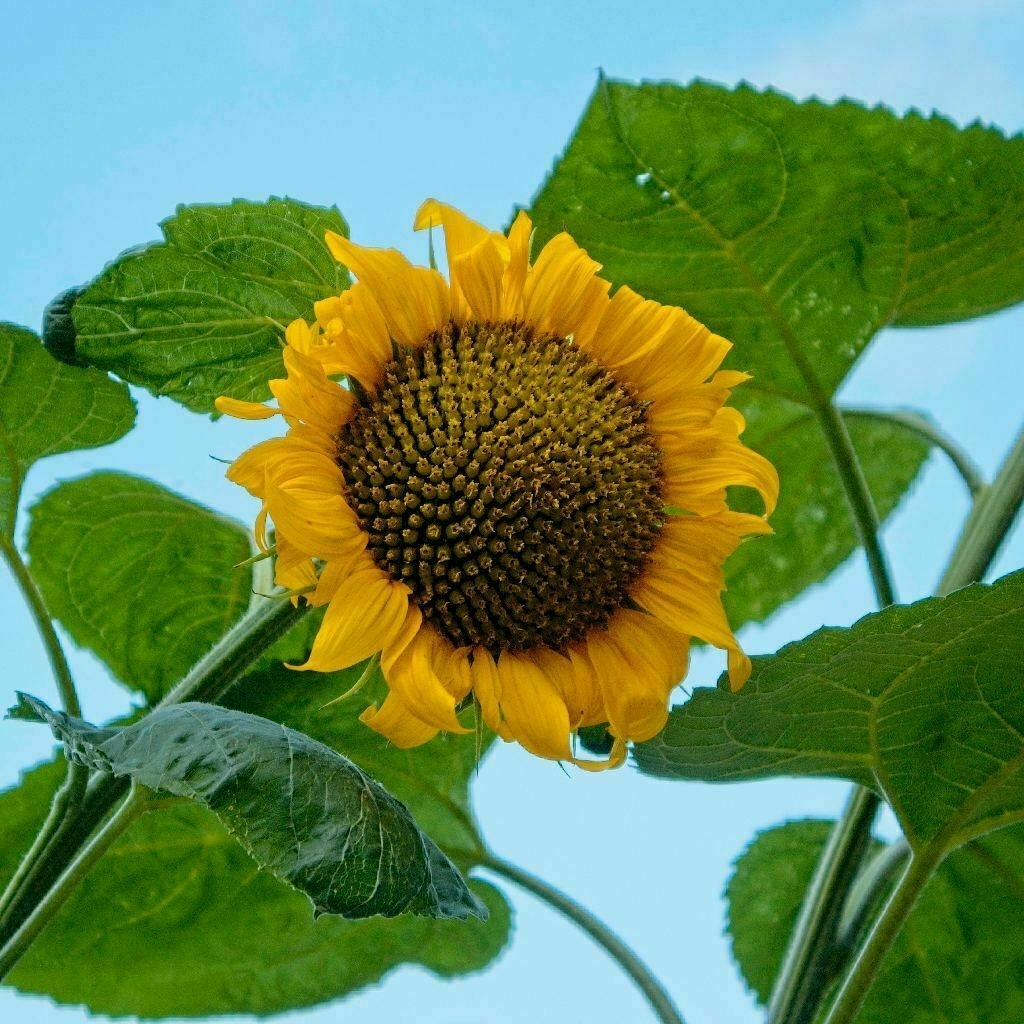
{"x":954,"y":56}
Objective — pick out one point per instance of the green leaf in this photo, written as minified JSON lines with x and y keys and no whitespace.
{"x":432,"y":780}
{"x":919,"y":702}
{"x":814,"y":533}
{"x":203,"y":313}
{"x":960,"y":956}
{"x":47,"y":408}
{"x":139,"y":575}
{"x":303,"y":811}
{"x":178,"y":898}
{"x":798,"y":231}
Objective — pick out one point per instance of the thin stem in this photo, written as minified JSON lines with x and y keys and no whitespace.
{"x":858,"y":496}
{"x":652,"y":989}
{"x":71,"y":877}
{"x":930,"y":432}
{"x":861,"y":976}
{"x":808,"y":965}
{"x":991,"y":519}
{"x":236,"y":652}
{"x":44,"y":623}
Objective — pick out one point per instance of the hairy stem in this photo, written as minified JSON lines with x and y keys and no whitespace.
{"x":67,"y":798}
{"x":865,"y":895}
{"x":930,"y":432}
{"x":652,"y":989}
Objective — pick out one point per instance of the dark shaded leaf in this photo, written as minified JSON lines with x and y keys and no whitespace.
{"x":920,"y":702}
{"x":203,"y":313}
{"x":302,"y":811}
{"x":139,"y":575}
{"x":59,"y":328}
{"x":206,"y":932}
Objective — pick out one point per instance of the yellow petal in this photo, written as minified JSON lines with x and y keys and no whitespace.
{"x":532,"y":708}
{"x":653,"y":661}
{"x":411,"y":669}
{"x":293,"y":569}
{"x":514,"y":278}
{"x":563,"y":294}
{"x":477,"y":276}
{"x":243,"y":410}
{"x":413,"y":300}
{"x":394,"y":720}
{"x":366,"y":613}
{"x":355,"y":335}
{"x":304,"y":496}
{"x":487,"y":690}
{"x":308,"y":395}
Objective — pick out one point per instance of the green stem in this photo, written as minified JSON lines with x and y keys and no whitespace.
{"x":652,"y":989}
{"x":861,"y":975}
{"x":865,"y":895}
{"x":858,"y":496}
{"x":988,"y":524}
{"x":930,"y":432}
{"x":70,"y":878}
{"x":44,"y":623}
{"x":808,"y":965}
{"x":68,"y":797}
{"x":233,"y":655}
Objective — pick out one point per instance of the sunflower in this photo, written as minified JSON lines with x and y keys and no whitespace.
{"x":517,"y":499}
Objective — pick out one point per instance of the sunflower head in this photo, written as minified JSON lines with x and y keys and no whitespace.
{"x":519,"y":498}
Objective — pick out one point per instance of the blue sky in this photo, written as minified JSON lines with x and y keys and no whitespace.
{"x":115,"y":113}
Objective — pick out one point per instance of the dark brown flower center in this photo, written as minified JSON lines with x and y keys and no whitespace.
{"x":510,"y":481}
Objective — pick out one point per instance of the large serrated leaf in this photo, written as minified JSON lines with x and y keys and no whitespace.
{"x":203,"y":314}
{"x":303,"y":812}
{"x":207,"y":932}
{"x":921,"y":702}
{"x":959,"y":957}
{"x":139,"y":575}
{"x":47,"y":407}
{"x":798,"y":231}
